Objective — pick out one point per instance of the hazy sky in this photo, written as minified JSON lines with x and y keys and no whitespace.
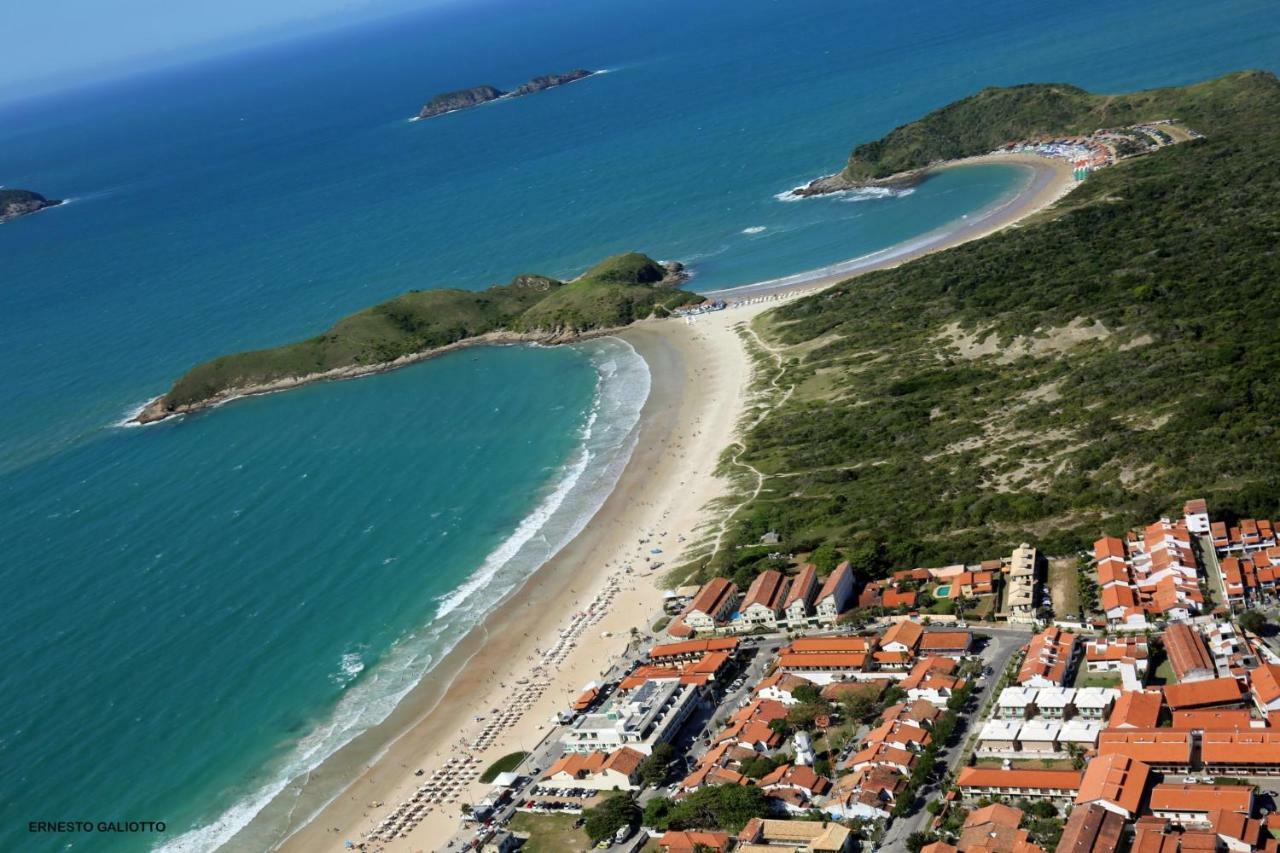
{"x":59,"y":43}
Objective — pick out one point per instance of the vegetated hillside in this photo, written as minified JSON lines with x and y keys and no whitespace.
{"x":613,"y":293}
{"x":997,"y":116}
{"x":1048,"y":383}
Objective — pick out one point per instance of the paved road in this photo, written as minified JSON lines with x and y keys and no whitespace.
{"x":1000,"y":649}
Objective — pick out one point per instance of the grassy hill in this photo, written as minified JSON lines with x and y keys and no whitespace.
{"x":613,"y":293}
{"x":1051,"y":382}
{"x":996,"y":116}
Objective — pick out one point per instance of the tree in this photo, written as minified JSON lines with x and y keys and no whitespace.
{"x":917,"y":840}
{"x":858,"y":706}
{"x":807,"y":693}
{"x":825,"y":557}
{"x":604,"y":820}
{"x":653,"y":770}
{"x":1077,"y":756}
{"x":726,"y":807}
{"x":1252,"y":621}
{"x":657,"y":812}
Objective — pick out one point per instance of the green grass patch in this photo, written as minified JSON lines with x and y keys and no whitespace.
{"x":504,"y":764}
{"x":661,"y":624}
{"x":1084,"y":678}
{"x":550,"y":833}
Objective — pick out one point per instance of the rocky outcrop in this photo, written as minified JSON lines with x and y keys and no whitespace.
{"x":460,"y":100}
{"x":475,"y":96}
{"x":550,"y":81}
{"x":15,"y":203}
{"x":840,"y":182}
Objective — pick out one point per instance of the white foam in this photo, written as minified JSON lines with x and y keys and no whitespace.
{"x":855,"y":194}
{"x":754,"y":229}
{"x":608,"y":438}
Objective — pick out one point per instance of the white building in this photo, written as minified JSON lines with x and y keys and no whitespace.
{"x":644,"y":717}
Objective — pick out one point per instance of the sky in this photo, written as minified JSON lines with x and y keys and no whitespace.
{"x":59,"y":44}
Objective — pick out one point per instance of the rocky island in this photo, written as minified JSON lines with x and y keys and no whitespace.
{"x":15,"y":203}
{"x":422,"y":323}
{"x":463,"y":99}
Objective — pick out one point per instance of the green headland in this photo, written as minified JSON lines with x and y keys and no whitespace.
{"x":612,"y":294}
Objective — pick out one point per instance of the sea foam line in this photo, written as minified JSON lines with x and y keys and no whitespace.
{"x":609,"y":435}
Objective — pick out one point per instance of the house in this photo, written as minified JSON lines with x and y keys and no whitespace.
{"x":1162,"y":749}
{"x":835,"y":595}
{"x":712,"y":606}
{"x":1080,"y":732}
{"x":597,"y":771}
{"x":1187,"y":653}
{"x":1092,"y":829}
{"x":902,"y":637}
{"x":1213,"y":693}
{"x":501,"y":842}
{"x":1039,"y":735}
{"x":1051,"y":656}
{"x":883,"y":755}
{"x":780,"y":687}
{"x":975,"y":782}
{"x":1093,"y":703}
{"x":1115,"y":782}
{"x":1128,"y":656}
{"x":1217,"y":720}
{"x":994,"y":829}
{"x":824,"y":659}
{"x":763,"y":602}
{"x":1196,"y":515}
{"x":1136,"y":709}
{"x":931,"y":680}
{"x":870,"y":794}
{"x":798,"y":781}
{"x":693,"y":841}
{"x":1055,"y":702}
{"x":1016,"y":703}
{"x":798,"y":605}
{"x":949,"y":643}
{"x":1020,"y":587}
{"x":970,"y":584}
{"x":1192,"y":804}
{"x":794,"y":836}
{"x":1264,"y":685}
{"x":999,"y":736}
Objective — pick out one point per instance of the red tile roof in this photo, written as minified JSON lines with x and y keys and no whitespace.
{"x":1203,"y":694}
{"x":1136,"y":709}
{"x":994,"y":777}
{"x":1116,"y":779}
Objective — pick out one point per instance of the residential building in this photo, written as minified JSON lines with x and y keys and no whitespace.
{"x":762,"y":604}
{"x":1216,"y":692}
{"x":1050,"y":660}
{"x":640,"y":719}
{"x":1055,"y":702}
{"x":1016,"y":703}
{"x":1115,"y":782}
{"x":761,"y":835}
{"x":693,"y":841}
{"x":995,"y":829}
{"x":1264,"y":686}
{"x":949,"y":643}
{"x":797,"y":607}
{"x":597,"y":771}
{"x":1094,"y":703}
{"x":1048,"y":784}
{"x":1196,"y":515}
{"x":1162,"y":749}
{"x":1092,"y":829}
{"x":1020,"y":584}
{"x":1192,"y":804}
{"x":712,"y":606}
{"x":1136,"y":710}
{"x":902,"y":637}
{"x":1187,"y":653}
{"x":835,"y":596}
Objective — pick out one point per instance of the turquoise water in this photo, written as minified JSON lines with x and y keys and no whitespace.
{"x":197,"y":610}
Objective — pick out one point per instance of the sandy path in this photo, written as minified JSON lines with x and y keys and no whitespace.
{"x":700,"y":377}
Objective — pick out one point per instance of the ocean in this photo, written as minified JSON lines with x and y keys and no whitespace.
{"x":197,"y":611}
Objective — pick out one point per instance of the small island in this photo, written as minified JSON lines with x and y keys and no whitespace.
{"x":15,"y":203}
{"x":422,"y":323}
{"x":462,"y":99}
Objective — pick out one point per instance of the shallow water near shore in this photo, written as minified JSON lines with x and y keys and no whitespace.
{"x":200,"y":608}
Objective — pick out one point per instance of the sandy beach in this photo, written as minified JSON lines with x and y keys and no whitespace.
{"x":700,"y":378}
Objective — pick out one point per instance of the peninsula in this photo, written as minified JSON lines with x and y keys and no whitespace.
{"x":462,"y":99}
{"x":1000,"y":118}
{"x":15,"y":203}
{"x":422,"y":323}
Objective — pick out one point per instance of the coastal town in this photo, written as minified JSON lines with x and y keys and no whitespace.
{"x":1116,"y":699}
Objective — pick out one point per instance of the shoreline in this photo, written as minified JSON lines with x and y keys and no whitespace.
{"x":699,"y":385}
{"x":668,"y":479}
